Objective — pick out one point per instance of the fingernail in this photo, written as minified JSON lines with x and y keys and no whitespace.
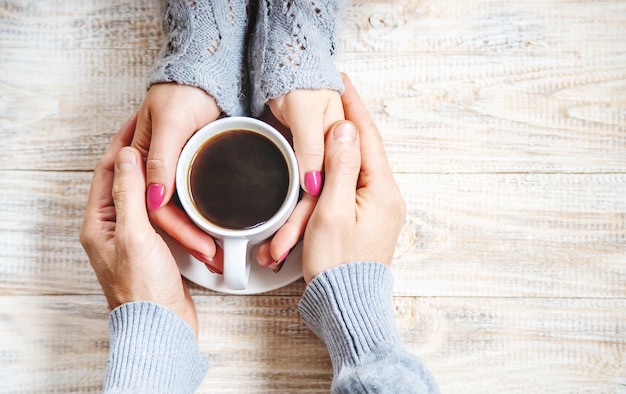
{"x":206,"y":260}
{"x":212,"y":269}
{"x":126,"y":159}
{"x":345,"y":131}
{"x":280,"y":262}
{"x":202,"y":257}
{"x":156,"y":194}
{"x":313,"y":182}
{"x":283,"y":257}
{"x":268,"y":264}
{"x":278,"y":267}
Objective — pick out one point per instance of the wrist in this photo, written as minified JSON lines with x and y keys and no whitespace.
{"x":179,"y":307}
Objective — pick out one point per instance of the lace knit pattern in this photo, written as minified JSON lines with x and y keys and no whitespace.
{"x":293,"y":47}
{"x":205,"y":47}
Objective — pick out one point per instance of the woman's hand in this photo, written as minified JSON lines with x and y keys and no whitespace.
{"x":131,"y":261}
{"x":360,"y":211}
{"x":308,"y":114}
{"x":170,"y":114}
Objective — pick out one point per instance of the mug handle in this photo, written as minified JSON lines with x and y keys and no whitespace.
{"x":236,"y":264}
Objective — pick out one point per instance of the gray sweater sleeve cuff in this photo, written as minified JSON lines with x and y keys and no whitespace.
{"x":293,"y":47}
{"x":205,"y":47}
{"x":350,"y":308}
{"x":152,"y":350}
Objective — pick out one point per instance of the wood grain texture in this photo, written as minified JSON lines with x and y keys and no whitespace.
{"x":477,"y":26}
{"x":76,"y":24}
{"x":39,"y":224}
{"x":518,"y":345}
{"x":515,"y":108}
{"x":438,"y":114}
{"x":505,"y":125}
{"x":513,"y":235}
{"x":484,"y":26}
{"x":57,"y":111}
{"x":260,"y":344}
{"x":53,"y":344}
{"x":463,"y":113}
{"x":506,"y":235}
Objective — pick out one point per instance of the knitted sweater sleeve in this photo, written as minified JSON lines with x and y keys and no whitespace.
{"x":293,"y":47}
{"x":204,"y":46}
{"x":350,"y":309}
{"x":152,"y":350}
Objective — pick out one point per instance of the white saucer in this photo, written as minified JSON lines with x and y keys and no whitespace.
{"x":261,"y":279}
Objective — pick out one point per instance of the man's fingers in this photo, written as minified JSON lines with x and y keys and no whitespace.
{"x":374,"y":159}
{"x":129,"y":192}
{"x":102,"y":182}
{"x":334,"y":218}
{"x":122,"y":138}
{"x":343,"y":163}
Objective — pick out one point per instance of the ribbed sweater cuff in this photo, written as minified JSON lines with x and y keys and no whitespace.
{"x":350,"y":308}
{"x":152,"y":350}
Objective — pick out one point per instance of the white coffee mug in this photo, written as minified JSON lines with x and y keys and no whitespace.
{"x":236,"y":243}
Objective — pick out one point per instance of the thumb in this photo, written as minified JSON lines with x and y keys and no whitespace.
{"x":342,"y":165}
{"x":129,"y":191}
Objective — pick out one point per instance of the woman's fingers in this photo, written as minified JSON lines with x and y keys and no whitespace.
{"x":309,"y":114}
{"x":169,"y":116}
{"x":171,"y":219}
{"x":274,"y":252}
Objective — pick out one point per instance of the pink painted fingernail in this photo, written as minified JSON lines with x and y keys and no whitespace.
{"x":278,"y":265}
{"x":206,"y":260}
{"x":202,"y":257}
{"x":313,"y":182}
{"x":265,"y":265}
{"x":212,"y":269}
{"x":156,"y":194}
{"x":283,"y":257}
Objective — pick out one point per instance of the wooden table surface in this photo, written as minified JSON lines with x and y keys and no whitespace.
{"x":505,"y":125}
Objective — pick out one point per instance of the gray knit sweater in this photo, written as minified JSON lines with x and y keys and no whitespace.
{"x":348,"y":307}
{"x":244,"y":55}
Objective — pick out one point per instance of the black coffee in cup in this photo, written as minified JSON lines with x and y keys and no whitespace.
{"x":238,"y":179}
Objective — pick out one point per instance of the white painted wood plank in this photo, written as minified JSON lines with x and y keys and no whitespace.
{"x":259,"y":344}
{"x":466,"y":235}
